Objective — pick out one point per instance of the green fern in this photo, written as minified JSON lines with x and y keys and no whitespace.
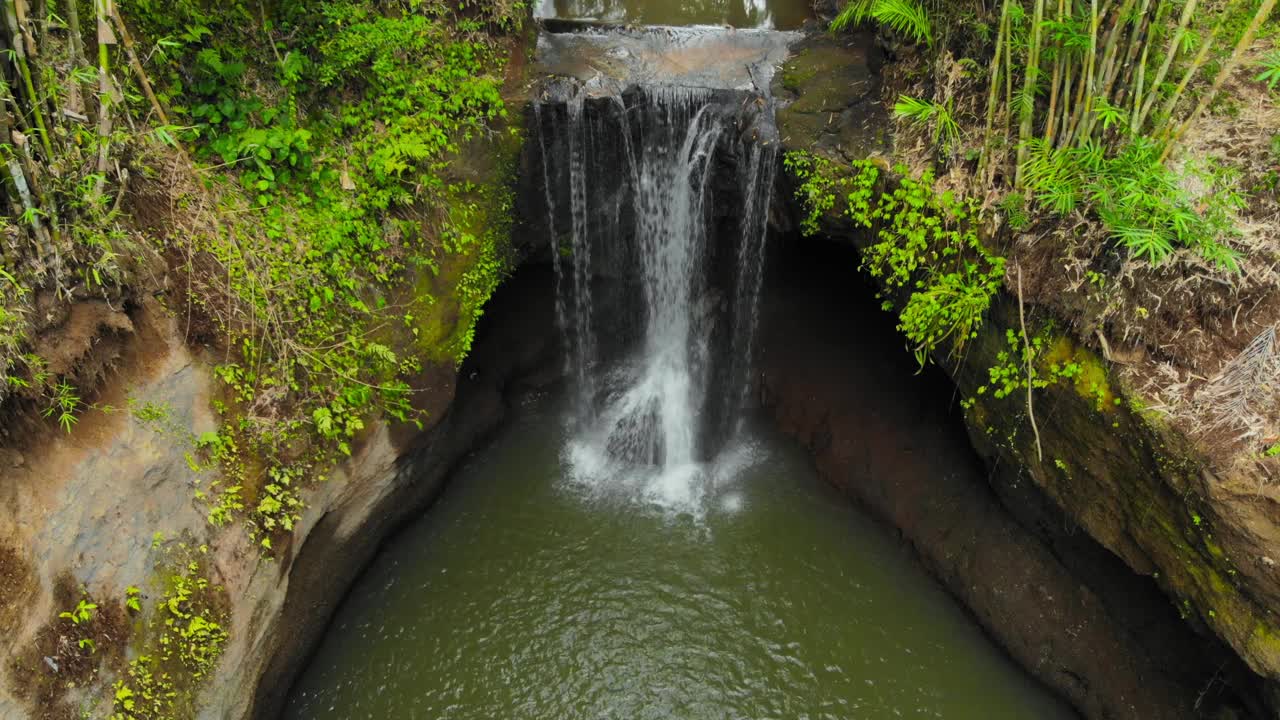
{"x":1143,"y":203}
{"x":853,"y":14}
{"x":922,"y":112}
{"x":1270,"y":70}
{"x":1109,"y":114}
{"x":905,"y":17}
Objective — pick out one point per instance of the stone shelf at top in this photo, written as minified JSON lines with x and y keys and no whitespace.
{"x":763,"y":14}
{"x":608,"y":58}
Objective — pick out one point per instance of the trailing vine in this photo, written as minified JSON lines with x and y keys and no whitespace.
{"x":927,"y":247}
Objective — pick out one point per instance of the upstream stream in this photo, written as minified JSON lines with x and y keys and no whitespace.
{"x":637,"y":543}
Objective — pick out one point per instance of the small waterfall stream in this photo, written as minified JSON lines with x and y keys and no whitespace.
{"x":657,"y":182}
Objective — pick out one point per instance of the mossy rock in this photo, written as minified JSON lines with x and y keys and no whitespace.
{"x":828,"y":87}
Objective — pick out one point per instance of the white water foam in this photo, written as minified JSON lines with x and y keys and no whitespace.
{"x":638,"y":427}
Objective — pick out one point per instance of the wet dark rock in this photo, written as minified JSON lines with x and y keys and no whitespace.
{"x":516,"y":351}
{"x":828,"y":93}
{"x":1063,"y":607}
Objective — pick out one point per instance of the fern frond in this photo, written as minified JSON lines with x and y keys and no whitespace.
{"x":915,"y":109}
{"x":1270,"y":70}
{"x":853,"y":14}
{"x":905,"y":17}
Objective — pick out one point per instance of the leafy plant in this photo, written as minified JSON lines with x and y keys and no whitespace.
{"x":928,"y":247}
{"x":946,"y":131}
{"x":1142,"y":202}
{"x":1014,"y":206}
{"x":82,"y":613}
{"x":905,"y":17}
{"x":64,"y":403}
{"x":1270,"y":65}
{"x":187,"y":634}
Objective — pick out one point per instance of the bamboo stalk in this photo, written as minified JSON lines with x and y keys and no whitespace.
{"x":1106,"y":73}
{"x":1175,"y":44}
{"x":1166,"y":114}
{"x":1123,"y":70}
{"x":73,"y":28}
{"x":143,"y":80}
{"x":104,"y":97}
{"x":24,"y":70}
{"x":993,"y":92}
{"x":75,"y":100}
{"x":1084,"y":96}
{"x":1228,"y":67}
{"x":41,"y":74}
{"x":1066,"y":105}
{"x":1008,"y":84}
{"x":1058,"y":61}
{"x":1030,"y":80}
{"x":16,"y":173}
{"x":1137,"y":42}
{"x":1134,"y":120}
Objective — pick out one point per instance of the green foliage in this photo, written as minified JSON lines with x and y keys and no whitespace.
{"x":1014,"y":206}
{"x":906,"y":17}
{"x":62,"y":223}
{"x":1146,"y":206}
{"x":927,"y":247}
{"x":1021,"y":364}
{"x":82,"y":613}
{"x":186,"y":635}
{"x":946,"y":131}
{"x":63,"y":403}
{"x":322,"y":255}
{"x":1270,"y":65}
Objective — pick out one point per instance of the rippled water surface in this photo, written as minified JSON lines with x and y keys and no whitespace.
{"x":522,"y":595}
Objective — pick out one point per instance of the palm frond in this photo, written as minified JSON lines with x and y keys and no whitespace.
{"x":853,"y":14}
{"x":905,"y":17}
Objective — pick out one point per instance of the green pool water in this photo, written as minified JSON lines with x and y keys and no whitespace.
{"x":525,"y":595}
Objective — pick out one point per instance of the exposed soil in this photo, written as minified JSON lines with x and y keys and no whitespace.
{"x":15,"y":587}
{"x":66,"y":655}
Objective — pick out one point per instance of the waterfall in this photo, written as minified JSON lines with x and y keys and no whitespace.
{"x":640,"y":176}
{"x":750,"y":276}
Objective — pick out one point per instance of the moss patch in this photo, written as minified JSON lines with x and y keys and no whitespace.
{"x":1093,"y":382}
{"x":179,"y":645}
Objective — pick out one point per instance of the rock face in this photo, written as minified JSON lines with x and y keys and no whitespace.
{"x":834,"y":379}
{"x":86,"y":505}
{"x":1139,"y":490}
{"x":1101,"y":465}
{"x":285,"y":608}
{"x":829,"y":95}
{"x":90,"y":504}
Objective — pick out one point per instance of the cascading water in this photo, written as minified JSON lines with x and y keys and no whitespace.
{"x":641,"y":176}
